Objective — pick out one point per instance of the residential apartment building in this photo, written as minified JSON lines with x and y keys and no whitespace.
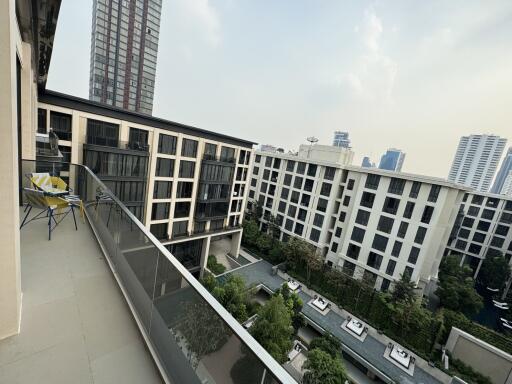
{"x":476,"y":161}
{"x":503,"y":173}
{"x":124,"y":48}
{"x":392,"y":160}
{"x":186,"y":184}
{"x":483,"y":229}
{"x":371,"y":223}
{"x":341,"y":139}
{"x":103,"y":300}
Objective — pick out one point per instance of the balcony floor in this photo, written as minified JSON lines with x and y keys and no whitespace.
{"x":76,"y":326}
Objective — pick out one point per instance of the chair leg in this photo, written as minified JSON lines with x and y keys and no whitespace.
{"x":50,"y":215}
{"x":74,"y":218}
{"x":26,"y":216}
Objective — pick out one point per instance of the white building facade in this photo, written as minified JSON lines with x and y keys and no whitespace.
{"x":476,"y":160}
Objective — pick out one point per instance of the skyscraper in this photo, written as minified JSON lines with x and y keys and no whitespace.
{"x":124,"y":46}
{"x":392,"y":160}
{"x":367,"y":163}
{"x":506,"y":189}
{"x":506,"y":167}
{"x":341,"y":139}
{"x":476,"y":161}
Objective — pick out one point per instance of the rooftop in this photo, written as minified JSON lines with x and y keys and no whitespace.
{"x":76,"y":326}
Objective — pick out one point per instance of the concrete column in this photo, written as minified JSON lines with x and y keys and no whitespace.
{"x":204,"y":254}
{"x":10,"y":282}
{"x":236,"y":239}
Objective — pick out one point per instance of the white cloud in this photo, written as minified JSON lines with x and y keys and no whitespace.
{"x":373,"y":73}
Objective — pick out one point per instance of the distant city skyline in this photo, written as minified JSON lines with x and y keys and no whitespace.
{"x":341,"y":139}
{"x":392,"y":160}
{"x":394,"y":75}
{"x":503,"y":173}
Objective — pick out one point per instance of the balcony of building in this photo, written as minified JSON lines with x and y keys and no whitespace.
{"x":108,"y":303}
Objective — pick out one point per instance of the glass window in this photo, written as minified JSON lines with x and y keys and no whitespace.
{"x":268,"y":161}
{"x":374,"y":260}
{"x":164,"y":167}
{"x":266,"y":174}
{"x":41,"y":120}
{"x":302,"y":215}
{"x":326,"y":189}
{"x":322,"y":205}
{"x":288,"y":225}
{"x":342,"y":216}
{"x":497,"y":241}
{"x":464,"y":233}
{"x":301,"y":168}
{"x":415,"y":189}
{"x":362,"y":217}
{"x":297,"y":183}
{"x":182,"y":209}
{"x":357,"y":234}
{"x":184,"y":189}
{"x":346,"y":200}
{"x":372,"y":181}
{"x":473,"y":211}
{"x":461,"y":244}
{"x":160,"y":211}
{"x":295,"y":197}
{"x":282,"y":207}
{"x":385,"y":224}
{"x":315,"y":235}
{"x":167,"y":144}
{"x":210,"y":152}
{"x":284,"y":193}
{"x":420,"y":235}
{"x":188,"y":148}
{"x":312,"y":170}
{"x":390,"y":269}
{"x":353,"y":251}
{"x":506,"y":218}
{"x":391,"y":205}
{"x":334,"y":247}
{"x":338,"y":232}
{"x":477,"y":199}
{"x":318,"y":220}
{"x":138,"y":139}
{"x":502,"y":230}
{"x":483,"y":226}
{"x":61,"y":125}
{"x":308,"y":185}
{"x":396,"y":186}
{"x":292,"y":210}
{"x":479,"y":237}
{"x":488,"y":214}
{"x":367,"y":199}
{"x":227,"y":154}
{"x":397,"y":247}
{"x":409,"y":209}
{"x":380,"y":243}
{"x":299,"y":228}
{"x":427,"y":214}
{"x":413,"y":255}
{"x":474,"y":248}
{"x":257,"y":159}
{"x":287,"y":179}
{"x":290,"y":165}
{"x":187,"y":169}
{"x":402,"y":230}
{"x":468,"y":222}
{"x":159,"y":230}
{"x":179,"y":228}
{"x":162,"y":190}
{"x":434,"y":193}
{"x":329,"y":173}
{"x":408,"y":272}
{"x":350,"y":184}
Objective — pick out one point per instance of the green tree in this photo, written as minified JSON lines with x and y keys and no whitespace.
{"x":264,"y":243}
{"x":273,"y":328}
{"x":209,"y":281}
{"x":214,"y":266}
{"x":251,"y":232}
{"x":296,"y":252}
{"x":233,"y":295}
{"x":494,"y":272}
{"x":327,"y":343}
{"x":294,"y":304}
{"x":403,"y":290}
{"x":456,"y":289}
{"x":273,"y":227}
{"x":276,"y":253}
{"x":322,"y":368}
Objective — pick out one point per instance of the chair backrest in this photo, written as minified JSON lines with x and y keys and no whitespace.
{"x":35,"y":198}
{"x":42,"y":180}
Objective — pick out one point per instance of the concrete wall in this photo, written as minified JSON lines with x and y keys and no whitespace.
{"x":483,"y":357}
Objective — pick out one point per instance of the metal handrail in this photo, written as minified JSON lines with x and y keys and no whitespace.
{"x":266,"y":359}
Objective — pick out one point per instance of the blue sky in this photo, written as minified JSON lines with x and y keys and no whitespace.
{"x":415,"y":75}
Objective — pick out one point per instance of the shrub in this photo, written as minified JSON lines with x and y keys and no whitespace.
{"x":214,"y":266}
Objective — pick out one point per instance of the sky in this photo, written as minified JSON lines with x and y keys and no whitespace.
{"x":413,"y":75}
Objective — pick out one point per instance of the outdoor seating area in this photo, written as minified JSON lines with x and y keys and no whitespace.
{"x":400,"y":357}
{"x":293,"y":285}
{"x":355,"y":327}
{"x":320,"y":303}
{"x":298,"y":347}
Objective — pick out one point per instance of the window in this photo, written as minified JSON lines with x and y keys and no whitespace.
{"x":427,"y":214}
{"x":160,"y":211}
{"x":402,"y":230}
{"x":350,"y":184}
{"x":473,"y":211}
{"x":61,"y":125}
{"x":506,"y":218}
{"x":288,"y":225}
{"x":357,"y":234}
{"x":162,"y":190}
{"x":397,"y":247}
{"x":256,"y":170}
{"x":287,"y":179}
{"x":257,"y":159}
{"x":384,"y":287}
{"x":159,"y":230}
{"x":348,"y":268}
{"x":187,"y":169}
{"x":41,"y":120}
{"x":318,"y":220}
{"x":282,"y":207}
{"x":188,"y":148}
{"x":102,"y":133}
{"x":479,"y":237}
{"x":502,"y":230}
{"x":380,"y":243}
{"x":334,"y":247}
{"x":299,"y":228}
{"x":483,"y":226}
{"x":413,"y":255}
{"x":322,"y":205}
{"x":396,"y":186}
{"x":284,"y":193}
{"x":367,"y":199}
{"x":184,"y":189}
{"x":297,"y":183}
{"x":312,"y":170}
{"x":254,"y":182}
{"x":266,"y":174}
{"x":362,"y":217}
{"x":182,"y":209}
{"x":385,"y":224}
{"x":508,"y":205}
{"x":326,"y":189}
{"x":346,"y":201}
{"x":292,"y":210}
{"x":353,"y":251}
{"x":420,"y":235}
{"x":342,"y":216}
{"x":488,"y":214}
{"x":338,"y":232}
{"x":390,"y":269}
{"x":301,"y":168}
{"x":474,"y":248}
{"x":477,"y":199}
{"x":263,"y":187}
{"x":210,"y":152}
{"x":461,"y":244}
{"x":329,"y":173}
{"x":468,"y":222}
{"x":227,"y":154}
{"x":415,"y":189}
{"x":497,"y":241}
{"x":180,"y":228}
{"x":391,"y":205}
{"x":409,"y":209}
{"x":463,"y":233}
{"x":308,"y":185}
{"x":374,"y":260}
{"x":290,"y":165}
{"x":138,"y":139}
{"x":295,"y":197}
{"x":164,"y":167}
{"x":434,"y":193}
{"x":315,"y":235}
{"x":372,"y":181}
{"x":408,"y":272}
{"x":302,"y":215}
